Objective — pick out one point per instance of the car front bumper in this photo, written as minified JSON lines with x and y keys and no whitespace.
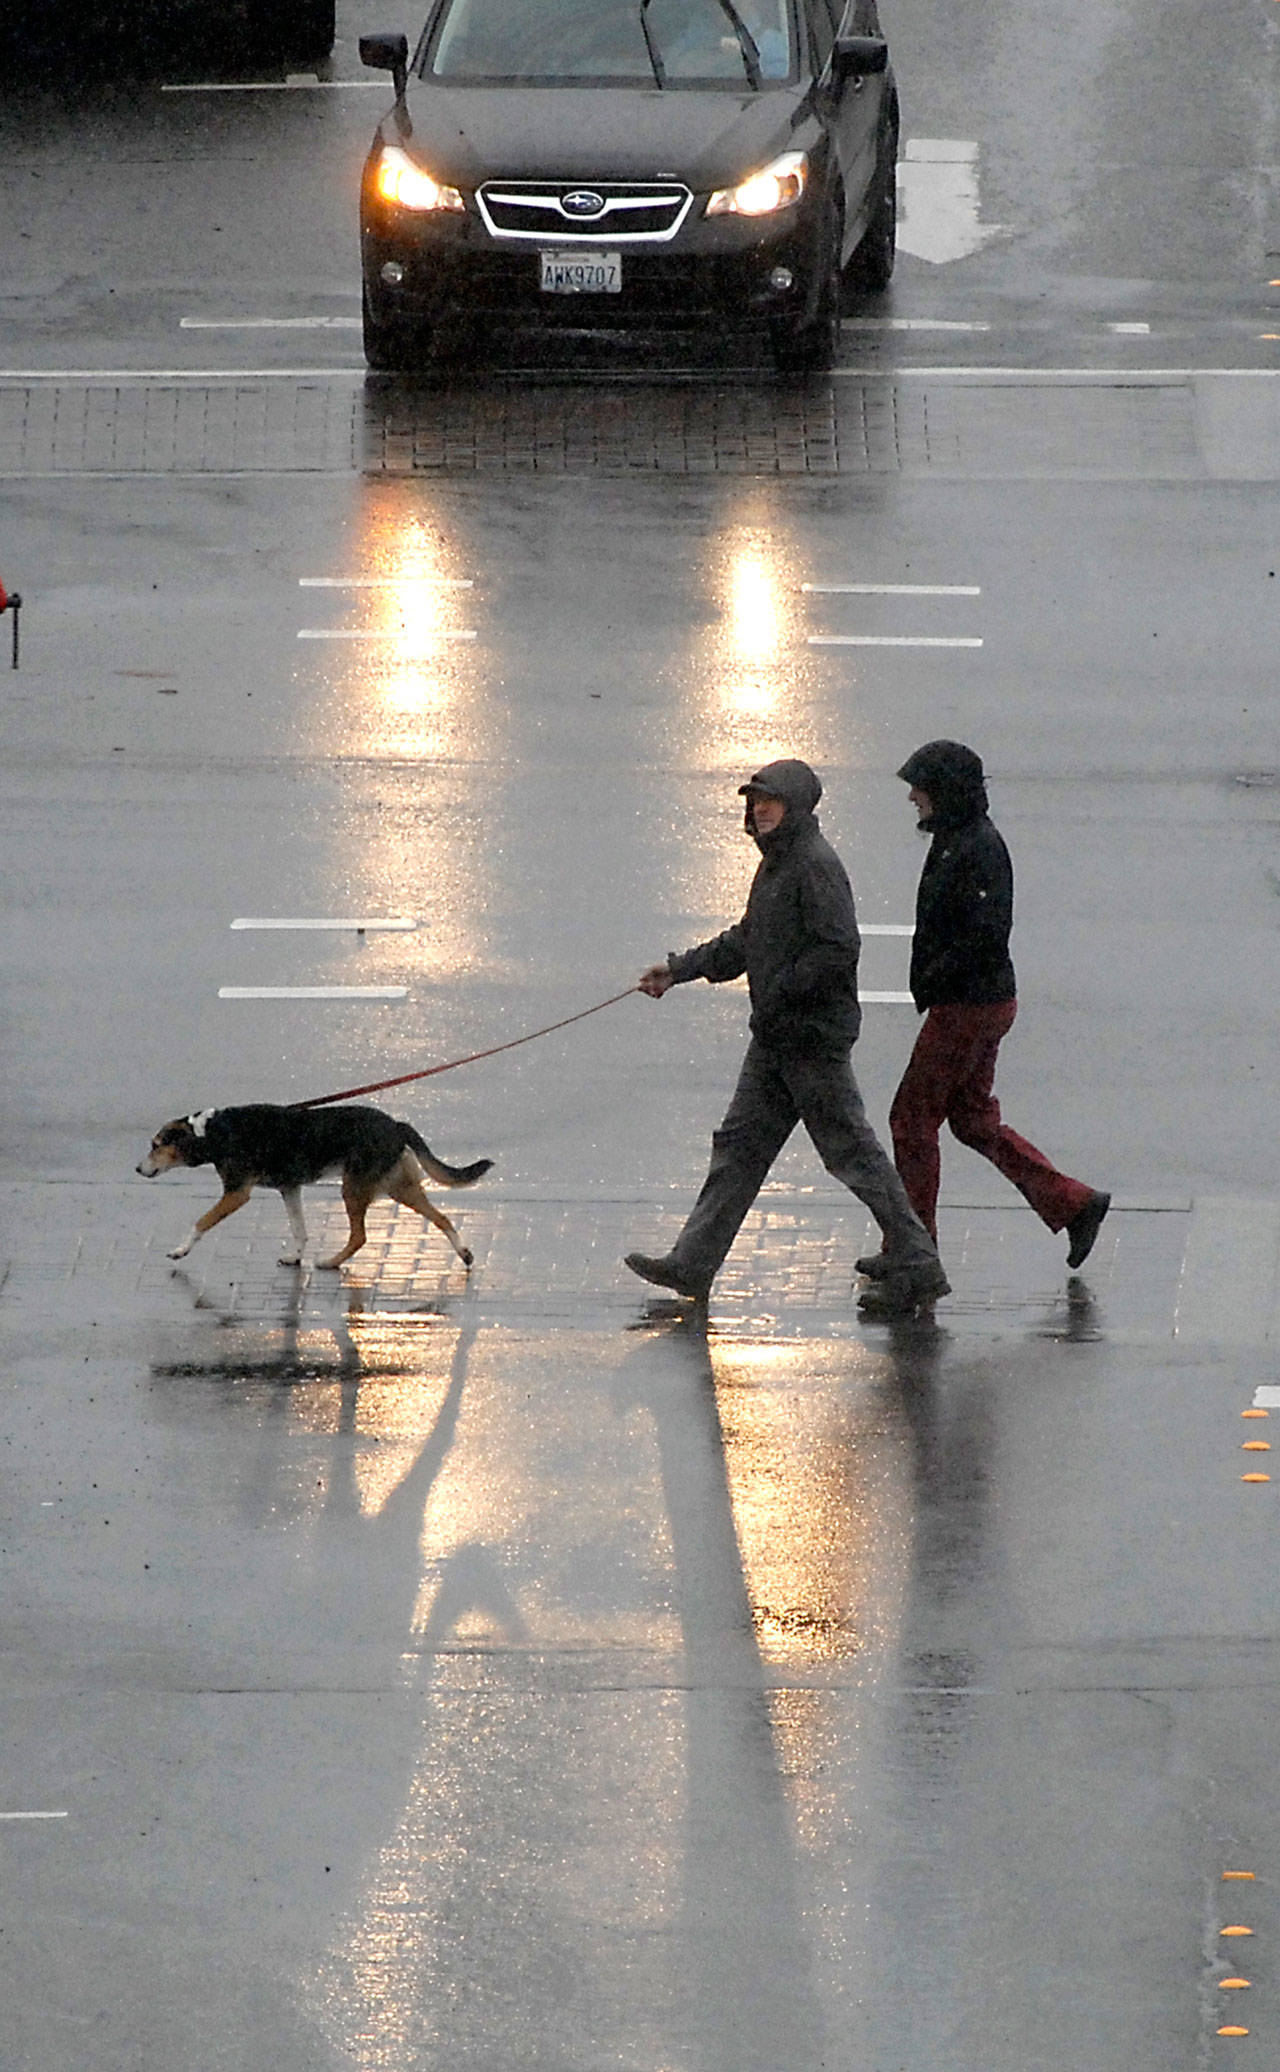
{"x":726,"y":269}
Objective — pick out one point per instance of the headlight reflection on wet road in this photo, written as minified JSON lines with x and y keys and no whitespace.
{"x":411,"y":723}
{"x":410,"y":690}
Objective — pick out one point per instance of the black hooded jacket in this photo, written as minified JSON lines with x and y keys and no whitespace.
{"x":964,"y":907}
{"x":798,"y":939}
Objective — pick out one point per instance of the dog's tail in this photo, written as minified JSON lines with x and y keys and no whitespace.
{"x":448,"y":1176}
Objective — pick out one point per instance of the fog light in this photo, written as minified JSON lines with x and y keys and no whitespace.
{"x":393,"y":273}
{"x":781,"y":278}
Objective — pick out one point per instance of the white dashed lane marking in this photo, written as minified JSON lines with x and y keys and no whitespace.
{"x":269,"y":323}
{"x":313,"y":992}
{"x":300,"y":83}
{"x":893,"y":640}
{"x":368,"y":927}
{"x":383,"y":582}
{"x":917,"y":640}
{"x":408,"y":633}
{"x":907,"y":324}
{"x":891,"y":589}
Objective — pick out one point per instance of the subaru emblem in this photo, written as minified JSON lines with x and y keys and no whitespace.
{"x":582,"y":201}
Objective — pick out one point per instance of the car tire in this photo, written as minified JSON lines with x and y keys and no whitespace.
{"x":871,"y":266}
{"x":810,"y":347}
{"x":302,"y":30}
{"x":391,"y":348}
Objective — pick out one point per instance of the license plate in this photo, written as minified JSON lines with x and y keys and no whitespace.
{"x":581,"y":273}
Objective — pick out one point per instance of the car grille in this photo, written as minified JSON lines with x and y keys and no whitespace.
{"x":631,"y":214}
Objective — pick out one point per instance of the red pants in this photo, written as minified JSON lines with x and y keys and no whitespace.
{"x":949,"y":1079}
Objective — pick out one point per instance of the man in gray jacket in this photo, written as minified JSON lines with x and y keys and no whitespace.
{"x":798,"y":945}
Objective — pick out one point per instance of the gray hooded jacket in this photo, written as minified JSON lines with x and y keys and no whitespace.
{"x":798,"y":940}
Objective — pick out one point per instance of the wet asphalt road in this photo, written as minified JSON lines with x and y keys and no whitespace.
{"x":411,"y":1671}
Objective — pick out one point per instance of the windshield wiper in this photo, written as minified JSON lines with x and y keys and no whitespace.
{"x":746,"y":43}
{"x":649,"y":44}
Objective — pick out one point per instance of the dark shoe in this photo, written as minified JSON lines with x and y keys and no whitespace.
{"x":664,"y":1274}
{"x":904,"y":1290}
{"x":1084,"y":1228}
{"x":874,"y":1265}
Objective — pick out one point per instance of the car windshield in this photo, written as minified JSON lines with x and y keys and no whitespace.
{"x":612,"y":42}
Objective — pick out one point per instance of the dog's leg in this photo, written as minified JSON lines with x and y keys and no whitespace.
{"x":404,"y":1186}
{"x":234,"y":1199}
{"x":292,"y":1199}
{"x":356,"y":1200}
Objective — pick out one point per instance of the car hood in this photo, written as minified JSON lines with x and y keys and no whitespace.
{"x":469,"y":134}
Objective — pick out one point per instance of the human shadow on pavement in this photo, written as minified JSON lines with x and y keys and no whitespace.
{"x":742,"y":1997}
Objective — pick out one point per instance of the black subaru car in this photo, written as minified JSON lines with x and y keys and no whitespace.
{"x":625,"y":164}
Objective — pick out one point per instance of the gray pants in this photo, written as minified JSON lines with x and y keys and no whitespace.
{"x":773,"y":1094}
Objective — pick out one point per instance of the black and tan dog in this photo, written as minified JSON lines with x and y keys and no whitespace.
{"x":288,"y":1148}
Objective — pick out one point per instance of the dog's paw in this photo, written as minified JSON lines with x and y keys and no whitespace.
{"x":178,"y":1252}
{"x":467,"y":1258}
{"x":290,"y":1259}
{"x":328,"y":1265}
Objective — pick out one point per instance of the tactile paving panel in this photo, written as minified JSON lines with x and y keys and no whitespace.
{"x":754,"y":425}
{"x":81,"y":1251}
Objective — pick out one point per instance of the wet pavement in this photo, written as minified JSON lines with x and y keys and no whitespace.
{"x":408,"y":1670}
{"x":432,"y":1673}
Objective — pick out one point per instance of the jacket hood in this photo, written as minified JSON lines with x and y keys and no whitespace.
{"x":790,"y":780}
{"x":799,"y":789}
{"x":954,"y":779}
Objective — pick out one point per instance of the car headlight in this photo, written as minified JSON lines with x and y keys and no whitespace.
{"x":407,"y":186}
{"x":776,"y":186}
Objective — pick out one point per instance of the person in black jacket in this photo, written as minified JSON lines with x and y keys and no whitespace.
{"x":798,"y":945}
{"x":962,"y":981}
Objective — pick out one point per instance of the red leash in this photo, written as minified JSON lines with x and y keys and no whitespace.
{"x":377,"y":1086}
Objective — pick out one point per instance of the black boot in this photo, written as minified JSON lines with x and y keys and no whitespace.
{"x":904,"y":1290}
{"x":1084,"y":1227}
{"x":664,"y":1273}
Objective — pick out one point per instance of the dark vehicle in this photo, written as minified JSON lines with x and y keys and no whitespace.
{"x":629,"y":163}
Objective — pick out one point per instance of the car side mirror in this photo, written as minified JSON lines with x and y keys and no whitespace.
{"x":859,"y":57}
{"x":387,"y":53}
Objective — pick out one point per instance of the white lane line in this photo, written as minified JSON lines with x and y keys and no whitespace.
{"x":383,"y":582}
{"x":1130,"y":330}
{"x":1071,"y":377}
{"x":126,"y":374}
{"x":399,"y":921}
{"x":1010,"y":376}
{"x":891,"y":589}
{"x":61,"y":1814}
{"x":269,"y":323}
{"x":313,"y":992}
{"x":1266,"y":1398}
{"x":921,"y":640}
{"x":885,"y":999}
{"x":886,"y":928}
{"x":907,"y":324}
{"x":302,"y":83}
{"x":405,"y":633}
